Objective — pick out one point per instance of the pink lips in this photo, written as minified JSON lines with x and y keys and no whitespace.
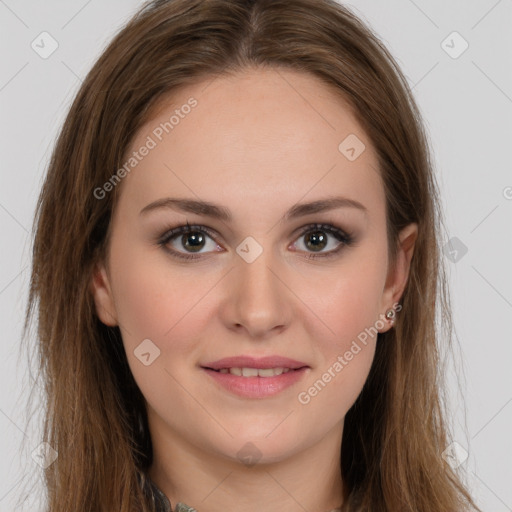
{"x":256,"y":387}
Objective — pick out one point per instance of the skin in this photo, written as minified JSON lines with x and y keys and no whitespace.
{"x":258,"y":142}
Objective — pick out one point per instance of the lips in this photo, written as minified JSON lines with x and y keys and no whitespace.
{"x":256,"y":377}
{"x":256,"y":387}
{"x":255,"y":362}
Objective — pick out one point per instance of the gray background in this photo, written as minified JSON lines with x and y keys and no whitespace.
{"x":467,"y":105}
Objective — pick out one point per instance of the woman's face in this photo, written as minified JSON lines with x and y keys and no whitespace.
{"x":260,"y":281}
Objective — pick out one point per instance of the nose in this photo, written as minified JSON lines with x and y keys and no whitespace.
{"x":258,"y":300}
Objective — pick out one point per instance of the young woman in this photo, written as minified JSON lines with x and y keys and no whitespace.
{"x":237,"y":274}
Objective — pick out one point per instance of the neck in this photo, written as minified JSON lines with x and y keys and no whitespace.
{"x":211,"y":482}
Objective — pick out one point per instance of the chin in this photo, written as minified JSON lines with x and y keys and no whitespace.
{"x":259,"y":448}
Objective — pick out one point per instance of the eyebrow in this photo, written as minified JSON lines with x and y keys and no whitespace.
{"x":209,"y":209}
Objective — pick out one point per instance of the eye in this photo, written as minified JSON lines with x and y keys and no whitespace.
{"x":193,"y":239}
{"x":314,"y":237}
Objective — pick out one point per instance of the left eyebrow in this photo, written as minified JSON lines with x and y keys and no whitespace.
{"x":302,"y":209}
{"x":215,"y":211}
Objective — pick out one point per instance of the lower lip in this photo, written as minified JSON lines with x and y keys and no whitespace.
{"x":257,"y":387}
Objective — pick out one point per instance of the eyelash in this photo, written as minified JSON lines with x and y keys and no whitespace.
{"x":342,"y":236}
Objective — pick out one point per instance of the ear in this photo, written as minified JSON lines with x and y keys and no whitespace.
{"x":103,"y":297}
{"x":396,"y":280}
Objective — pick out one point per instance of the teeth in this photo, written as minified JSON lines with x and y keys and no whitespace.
{"x":255,"y":372}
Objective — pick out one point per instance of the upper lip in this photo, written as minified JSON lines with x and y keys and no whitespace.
{"x":254,"y":362}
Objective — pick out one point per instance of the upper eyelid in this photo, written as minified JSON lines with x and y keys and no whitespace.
{"x":327,"y":226}
{"x":191,"y":227}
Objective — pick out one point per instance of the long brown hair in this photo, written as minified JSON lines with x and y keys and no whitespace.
{"x":396,"y":431}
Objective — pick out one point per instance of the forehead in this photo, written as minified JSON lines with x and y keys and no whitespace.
{"x":267,"y":137}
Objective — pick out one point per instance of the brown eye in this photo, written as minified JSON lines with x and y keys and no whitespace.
{"x":192,"y":240}
{"x":318,"y":237}
{"x":316,"y":240}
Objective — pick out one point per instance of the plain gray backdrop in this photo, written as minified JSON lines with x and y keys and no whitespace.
{"x":456,"y":55}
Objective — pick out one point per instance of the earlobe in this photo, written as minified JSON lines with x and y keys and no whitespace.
{"x":103,"y":298}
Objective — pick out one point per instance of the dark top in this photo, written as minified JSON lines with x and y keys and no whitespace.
{"x":162,"y":503}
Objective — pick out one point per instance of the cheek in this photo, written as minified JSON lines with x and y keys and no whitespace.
{"x":349,"y":304}
{"x":150,"y":301}
{"x":164,"y":307}
{"x":348,"y":308}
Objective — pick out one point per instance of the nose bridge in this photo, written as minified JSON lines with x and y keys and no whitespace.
{"x":258,"y":278}
{"x":259,"y":298}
